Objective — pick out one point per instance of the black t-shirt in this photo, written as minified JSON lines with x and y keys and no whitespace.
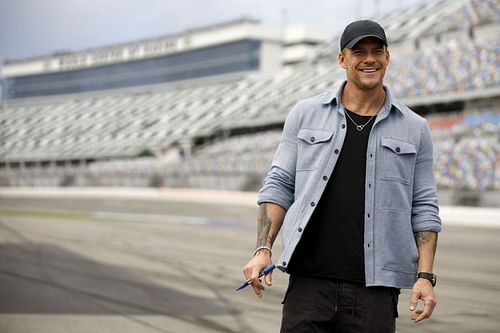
{"x":333,"y":241}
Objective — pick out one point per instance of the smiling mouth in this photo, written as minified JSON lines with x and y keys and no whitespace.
{"x":369,"y":70}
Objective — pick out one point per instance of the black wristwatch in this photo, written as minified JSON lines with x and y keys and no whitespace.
{"x":428,"y":276}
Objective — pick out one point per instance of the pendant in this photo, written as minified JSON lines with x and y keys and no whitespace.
{"x":360,"y":127}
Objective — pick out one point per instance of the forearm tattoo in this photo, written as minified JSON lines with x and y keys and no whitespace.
{"x":424,"y":237}
{"x":264,"y":237}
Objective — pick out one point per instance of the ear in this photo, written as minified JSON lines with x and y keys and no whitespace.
{"x":341,"y":59}
{"x":387,"y":54}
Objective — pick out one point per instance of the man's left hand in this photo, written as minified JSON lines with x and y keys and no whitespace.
{"x":422,"y":290}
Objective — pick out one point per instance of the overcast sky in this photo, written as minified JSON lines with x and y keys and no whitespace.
{"x":39,"y":27}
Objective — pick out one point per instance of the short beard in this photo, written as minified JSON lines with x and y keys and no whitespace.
{"x":370,"y":86}
{"x":366,"y":86}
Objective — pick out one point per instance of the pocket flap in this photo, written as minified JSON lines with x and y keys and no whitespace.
{"x":313,"y":136}
{"x":398,"y":146}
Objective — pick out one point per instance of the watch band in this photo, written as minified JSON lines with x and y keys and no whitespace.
{"x":428,"y":276}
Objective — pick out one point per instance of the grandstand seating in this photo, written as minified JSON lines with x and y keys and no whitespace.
{"x":121,"y":125}
{"x":113,"y":129}
{"x":467,"y":155}
{"x":454,"y":68}
{"x":429,"y":19}
{"x":467,"y":150}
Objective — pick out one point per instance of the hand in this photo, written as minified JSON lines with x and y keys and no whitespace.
{"x":422,"y":290}
{"x":254,"y":267}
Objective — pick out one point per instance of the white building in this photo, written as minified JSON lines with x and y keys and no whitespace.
{"x":239,"y":46}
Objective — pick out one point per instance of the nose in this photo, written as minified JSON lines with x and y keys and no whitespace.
{"x":370,"y":58}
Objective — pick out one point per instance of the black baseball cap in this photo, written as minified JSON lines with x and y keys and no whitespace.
{"x":356,"y":31}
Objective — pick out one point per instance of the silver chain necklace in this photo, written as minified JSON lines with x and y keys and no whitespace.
{"x":359,"y":127}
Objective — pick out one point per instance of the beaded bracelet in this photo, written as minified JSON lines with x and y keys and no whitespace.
{"x":263,"y":248}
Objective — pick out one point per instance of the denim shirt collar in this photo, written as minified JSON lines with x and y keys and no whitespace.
{"x":334,"y":97}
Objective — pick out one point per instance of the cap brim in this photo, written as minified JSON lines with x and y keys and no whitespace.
{"x":357,"y":39}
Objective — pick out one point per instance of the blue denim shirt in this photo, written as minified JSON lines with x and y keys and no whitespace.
{"x":400,"y":192}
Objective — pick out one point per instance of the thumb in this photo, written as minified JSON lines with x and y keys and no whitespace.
{"x":269,"y":279}
{"x":413,"y":301}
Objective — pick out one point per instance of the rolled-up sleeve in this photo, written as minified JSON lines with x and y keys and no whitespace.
{"x":279,"y":184}
{"x":425,"y":211}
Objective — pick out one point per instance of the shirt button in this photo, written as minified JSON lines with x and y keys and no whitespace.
{"x":299,"y":229}
{"x":371,"y":155}
{"x":398,"y":149}
{"x":313,"y":204}
{"x":368,"y":244}
{"x":369,"y":185}
{"x":343,"y":125}
{"x":336,"y":151}
{"x":313,"y":139}
{"x":325,"y":178}
{"x":368,"y":215}
{"x":284,"y":263}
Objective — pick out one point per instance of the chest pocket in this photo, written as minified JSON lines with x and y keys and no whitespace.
{"x":312,"y":145}
{"x":398,"y":159}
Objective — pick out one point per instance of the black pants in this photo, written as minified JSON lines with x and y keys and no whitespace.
{"x":327,"y":305}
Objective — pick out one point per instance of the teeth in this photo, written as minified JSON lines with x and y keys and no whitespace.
{"x":368,"y":70}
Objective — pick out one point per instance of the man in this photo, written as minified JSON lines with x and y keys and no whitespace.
{"x":353,"y":187}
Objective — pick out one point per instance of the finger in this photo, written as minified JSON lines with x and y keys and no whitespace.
{"x":247,"y":272}
{"x":256,"y":282}
{"x":269,"y":279}
{"x":427,"y":310}
{"x":421,"y":316}
{"x":257,"y":289}
{"x":414,"y":299}
{"x":416,"y":314}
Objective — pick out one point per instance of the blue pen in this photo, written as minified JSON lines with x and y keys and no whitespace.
{"x":266,"y":270}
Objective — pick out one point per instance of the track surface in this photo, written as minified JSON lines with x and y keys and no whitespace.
{"x":94,"y":265}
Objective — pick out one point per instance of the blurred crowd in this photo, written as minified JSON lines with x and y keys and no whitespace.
{"x":466,"y":149}
{"x":458,"y":67}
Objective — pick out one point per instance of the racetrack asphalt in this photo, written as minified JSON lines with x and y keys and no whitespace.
{"x":97,"y":264}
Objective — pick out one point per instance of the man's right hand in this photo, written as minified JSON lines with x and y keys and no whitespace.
{"x":254,"y":267}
